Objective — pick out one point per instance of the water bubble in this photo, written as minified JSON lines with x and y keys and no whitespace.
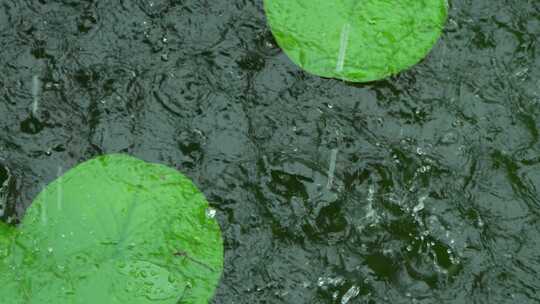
{"x":457,"y":123}
{"x":424,"y":169}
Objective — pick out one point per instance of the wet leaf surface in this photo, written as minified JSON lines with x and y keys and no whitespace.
{"x":114,"y":229}
{"x":353,"y":40}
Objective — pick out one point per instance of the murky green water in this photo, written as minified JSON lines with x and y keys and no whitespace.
{"x":422,"y":188}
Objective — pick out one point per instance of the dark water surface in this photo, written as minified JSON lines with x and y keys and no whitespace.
{"x":422,"y":188}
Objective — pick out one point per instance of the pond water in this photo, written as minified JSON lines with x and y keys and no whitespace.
{"x":421,"y":188}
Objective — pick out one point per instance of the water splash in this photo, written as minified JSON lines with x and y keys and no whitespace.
{"x":350,"y":294}
{"x":210,"y":213}
{"x":420,"y":206}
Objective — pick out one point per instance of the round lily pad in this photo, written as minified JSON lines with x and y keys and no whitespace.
{"x":114,"y":230}
{"x":356,"y":40}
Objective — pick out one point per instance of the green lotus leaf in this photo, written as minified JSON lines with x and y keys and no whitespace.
{"x":356,"y":40}
{"x":114,"y":229}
